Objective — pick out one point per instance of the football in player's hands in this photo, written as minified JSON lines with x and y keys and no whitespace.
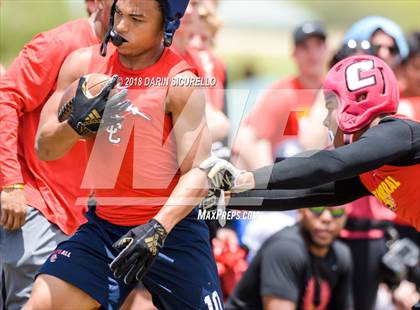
{"x":94,"y":85}
{"x":95,"y":94}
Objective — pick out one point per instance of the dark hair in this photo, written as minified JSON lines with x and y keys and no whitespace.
{"x":162,"y":10}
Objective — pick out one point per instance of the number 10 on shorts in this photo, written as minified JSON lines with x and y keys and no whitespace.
{"x":213,"y":302}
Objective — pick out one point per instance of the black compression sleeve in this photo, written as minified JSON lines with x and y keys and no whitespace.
{"x":389,"y":141}
{"x":330,"y":194}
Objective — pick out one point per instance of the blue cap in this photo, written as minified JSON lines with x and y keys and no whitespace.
{"x":174,"y":10}
{"x":364,"y":29}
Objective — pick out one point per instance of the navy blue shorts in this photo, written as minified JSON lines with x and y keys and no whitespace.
{"x":183,"y":276}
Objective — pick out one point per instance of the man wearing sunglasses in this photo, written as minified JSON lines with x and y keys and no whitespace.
{"x":385,"y":37}
{"x":300,"y":267}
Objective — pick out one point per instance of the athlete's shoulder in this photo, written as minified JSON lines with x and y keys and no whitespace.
{"x":393,"y":129}
{"x":78,"y":62}
{"x":177,"y":65}
{"x":400,"y":121}
{"x":182,"y":90}
{"x":82,"y":54}
{"x":171,"y":56}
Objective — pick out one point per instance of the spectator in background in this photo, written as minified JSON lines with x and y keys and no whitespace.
{"x":265,"y":224}
{"x":262,"y":138}
{"x":387,"y":41}
{"x":198,"y":34}
{"x":409,"y":73}
{"x":385,"y":36}
{"x":194,"y":41}
{"x":300,"y":267}
{"x":91,"y":6}
{"x":269,"y":121}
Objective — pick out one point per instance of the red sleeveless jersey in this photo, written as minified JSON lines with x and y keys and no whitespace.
{"x":133,"y":165}
{"x":398,"y":189}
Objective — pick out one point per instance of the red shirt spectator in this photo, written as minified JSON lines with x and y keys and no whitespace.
{"x":50,"y":187}
{"x":277,"y":115}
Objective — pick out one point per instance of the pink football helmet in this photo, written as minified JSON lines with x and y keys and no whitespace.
{"x":366,"y":88}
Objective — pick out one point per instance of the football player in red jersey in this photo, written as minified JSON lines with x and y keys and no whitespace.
{"x":144,"y":171}
{"x":377,"y":152}
{"x":37,"y":198}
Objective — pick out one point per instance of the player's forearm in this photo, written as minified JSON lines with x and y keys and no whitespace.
{"x":10,"y":170}
{"x":383,"y":144}
{"x":189,"y":192}
{"x":283,"y":200}
{"x":330,"y":194}
{"x":54,"y":140}
{"x":294,"y":173}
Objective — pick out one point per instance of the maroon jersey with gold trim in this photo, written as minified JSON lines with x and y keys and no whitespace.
{"x":397,"y":188}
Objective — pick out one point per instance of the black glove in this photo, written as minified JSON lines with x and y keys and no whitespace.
{"x":87,"y":114}
{"x":139,"y":248}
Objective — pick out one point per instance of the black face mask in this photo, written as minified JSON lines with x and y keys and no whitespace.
{"x":111,"y":34}
{"x":116,"y":38}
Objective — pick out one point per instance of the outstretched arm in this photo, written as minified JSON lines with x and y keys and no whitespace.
{"x":330,"y":194}
{"x":392,"y":140}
